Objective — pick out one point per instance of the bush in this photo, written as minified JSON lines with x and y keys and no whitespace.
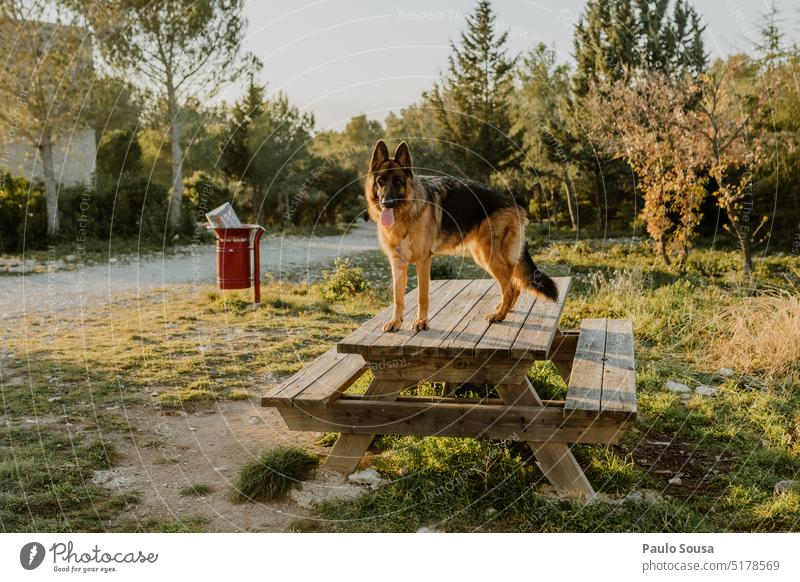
{"x":273,"y":474}
{"x":344,"y":282}
{"x":23,"y":215}
{"x":131,"y":207}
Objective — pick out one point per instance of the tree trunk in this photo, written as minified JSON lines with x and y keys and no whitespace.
{"x":598,"y":199}
{"x":177,"y":161}
{"x":662,"y":249}
{"x":46,"y":153}
{"x":744,"y":234}
{"x":540,"y":203}
{"x":553,"y":208}
{"x":255,"y":202}
{"x":570,"y":196}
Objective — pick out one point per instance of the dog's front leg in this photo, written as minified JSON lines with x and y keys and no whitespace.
{"x":399,"y":274}
{"x":423,"y":297}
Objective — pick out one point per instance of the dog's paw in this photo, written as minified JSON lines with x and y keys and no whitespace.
{"x":420,"y":325}
{"x":393,"y":325}
{"x":495,"y":318}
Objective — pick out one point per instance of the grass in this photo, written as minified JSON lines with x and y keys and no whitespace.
{"x":197,"y":490}
{"x":67,"y":380}
{"x":272,"y":475}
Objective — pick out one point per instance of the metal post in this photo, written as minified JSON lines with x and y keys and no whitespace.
{"x":256,"y":265}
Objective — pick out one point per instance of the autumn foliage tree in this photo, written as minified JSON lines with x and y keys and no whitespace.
{"x":731,"y":148}
{"x":654,"y":132}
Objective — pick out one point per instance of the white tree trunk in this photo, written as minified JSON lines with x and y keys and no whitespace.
{"x":177,"y":163}
{"x":46,"y":154}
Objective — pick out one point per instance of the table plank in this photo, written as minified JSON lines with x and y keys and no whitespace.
{"x":539,"y":329}
{"x":305,"y":377}
{"x":391,"y":344}
{"x":469,"y":331}
{"x":372,"y":329}
{"x":442,"y":324}
{"x":585,"y":383}
{"x":331,"y":385}
{"x":500,"y":336}
{"x":619,"y":375}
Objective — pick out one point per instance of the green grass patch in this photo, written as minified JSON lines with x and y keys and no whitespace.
{"x":273,"y":474}
{"x":197,"y":490}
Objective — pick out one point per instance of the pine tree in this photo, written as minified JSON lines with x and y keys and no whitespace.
{"x":472,"y":101}
{"x":616,"y":38}
{"x":236,"y":157}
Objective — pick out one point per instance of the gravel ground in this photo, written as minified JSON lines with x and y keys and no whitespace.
{"x":282,"y":257}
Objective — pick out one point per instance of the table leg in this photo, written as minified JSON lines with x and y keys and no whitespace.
{"x":449,"y":389}
{"x":554,"y":459}
{"x":349,"y":448}
{"x":562,"y":353}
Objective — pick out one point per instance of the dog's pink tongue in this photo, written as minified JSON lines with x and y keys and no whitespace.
{"x":387,"y":217}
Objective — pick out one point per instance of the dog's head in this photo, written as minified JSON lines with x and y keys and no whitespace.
{"x":389,"y":181}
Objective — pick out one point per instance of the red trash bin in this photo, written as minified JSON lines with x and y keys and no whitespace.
{"x":236,"y":247}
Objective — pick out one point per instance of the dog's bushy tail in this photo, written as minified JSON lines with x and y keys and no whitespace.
{"x":530,"y":277}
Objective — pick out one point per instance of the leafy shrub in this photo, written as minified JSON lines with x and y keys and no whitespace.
{"x":23,"y":215}
{"x":130,"y":207}
{"x":344,"y":282}
{"x":273,"y":474}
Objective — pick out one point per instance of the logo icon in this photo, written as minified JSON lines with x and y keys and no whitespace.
{"x":31,"y":555}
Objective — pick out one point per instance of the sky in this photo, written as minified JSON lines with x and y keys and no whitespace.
{"x":339,"y":58}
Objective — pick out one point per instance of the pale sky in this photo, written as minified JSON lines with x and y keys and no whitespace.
{"x":339,"y":58}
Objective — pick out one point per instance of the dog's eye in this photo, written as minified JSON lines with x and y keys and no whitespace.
{"x":381,"y":181}
{"x":398,"y":182}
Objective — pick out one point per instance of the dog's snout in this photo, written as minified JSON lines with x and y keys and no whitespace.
{"x":390,"y":202}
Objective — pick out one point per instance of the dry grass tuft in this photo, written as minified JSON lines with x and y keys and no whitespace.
{"x":762,"y":334}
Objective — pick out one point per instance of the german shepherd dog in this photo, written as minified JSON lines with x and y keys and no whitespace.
{"x":420,"y":216}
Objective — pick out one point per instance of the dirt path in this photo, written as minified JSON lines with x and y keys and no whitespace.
{"x":97,"y":285}
{"x":165,"y":454}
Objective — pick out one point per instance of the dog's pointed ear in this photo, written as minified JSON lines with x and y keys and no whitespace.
{"x":402,"y":155}
{"x":379,"y":155}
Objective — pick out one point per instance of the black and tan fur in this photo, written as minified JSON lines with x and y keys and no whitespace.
{"x":437,"y":214}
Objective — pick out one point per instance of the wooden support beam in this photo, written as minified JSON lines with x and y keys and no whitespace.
{"x":553,"y":457}
{"x":448,"y":369}
{"x":349,"y":448}
{"x":356,"y":418}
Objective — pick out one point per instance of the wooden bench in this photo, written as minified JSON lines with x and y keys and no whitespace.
{"x":602,"y":379}
{"x":318,"y":384}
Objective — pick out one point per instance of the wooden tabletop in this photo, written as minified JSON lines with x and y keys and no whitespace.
{"x":458,"y":325}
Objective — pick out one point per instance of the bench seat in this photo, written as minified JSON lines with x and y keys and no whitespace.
{"x":603,"y":375}
{"x":318,"y":384}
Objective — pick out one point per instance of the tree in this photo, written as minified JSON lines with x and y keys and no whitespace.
{"x":616,"y":38}
{"x":47,"y":74}
{"x":353,"y":145}
{"x":613,"y":41}
{"x":181,"y":48}
{"x":235,"y":154}
{"x":472,"y":101}
{"x":727,"y":113}
{"x":541,"y":111}
{"x":278,"y":143}
{"x":656,"y":133}
{"x":116,"y":105}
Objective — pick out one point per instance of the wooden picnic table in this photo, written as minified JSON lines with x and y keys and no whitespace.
{"x":461,"y":346}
